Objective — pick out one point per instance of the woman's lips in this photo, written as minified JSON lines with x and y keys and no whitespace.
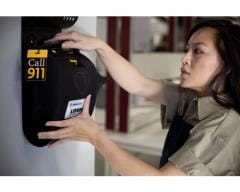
{"x":184,"y":72}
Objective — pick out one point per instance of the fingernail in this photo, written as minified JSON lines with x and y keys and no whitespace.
{"x":47,"y":124}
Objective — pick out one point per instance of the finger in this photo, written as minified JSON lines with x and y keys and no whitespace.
{"x":74,"y":36}
{"x":55,"y":37}
{"x":61,"y":33}
{"x":70,"y":44}
{"x":59,"y":134}
{"x":63,"y":123}
{"x":86,"y":105}
{"x":60,"y":141}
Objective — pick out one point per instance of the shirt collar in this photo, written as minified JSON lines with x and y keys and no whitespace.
{"x":207,"y":106}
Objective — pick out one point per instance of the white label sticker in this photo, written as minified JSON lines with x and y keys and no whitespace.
{"x":74,"y":108}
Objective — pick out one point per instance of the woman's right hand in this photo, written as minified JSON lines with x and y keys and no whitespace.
{"x":77,"y":40}
{"x":81,"y":127}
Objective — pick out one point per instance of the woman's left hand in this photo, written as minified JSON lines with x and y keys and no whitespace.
{"x":81,"y":127}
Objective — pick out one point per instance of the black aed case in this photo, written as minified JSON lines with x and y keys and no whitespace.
{"x":55,"y":81}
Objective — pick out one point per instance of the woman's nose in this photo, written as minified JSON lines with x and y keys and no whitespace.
{"x":186,"y":60}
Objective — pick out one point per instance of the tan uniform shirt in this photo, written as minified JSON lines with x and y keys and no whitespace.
{"x":213,"y":147}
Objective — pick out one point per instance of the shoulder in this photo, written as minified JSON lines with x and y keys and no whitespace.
{"x":233,"y":116}
{"x":229,"y":126}
{"x":218,"y":118}
{"x":218,"y":121}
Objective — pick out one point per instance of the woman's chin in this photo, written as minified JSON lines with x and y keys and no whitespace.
{"x":184,"y":84}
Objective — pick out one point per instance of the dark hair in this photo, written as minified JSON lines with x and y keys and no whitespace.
{"x":228,"y":45}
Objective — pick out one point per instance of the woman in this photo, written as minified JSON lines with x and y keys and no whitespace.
{"x":204,"y":136}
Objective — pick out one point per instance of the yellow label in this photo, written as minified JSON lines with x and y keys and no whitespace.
{"x":37,"y":53}
{"x":74,"y":61}
{"x":36,"y":64}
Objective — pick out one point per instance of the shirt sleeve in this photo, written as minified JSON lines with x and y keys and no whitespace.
{"x":172,"y":94}
{"x":212,"y":148}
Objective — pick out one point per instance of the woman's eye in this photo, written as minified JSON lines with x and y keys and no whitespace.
{"x":198,"y":51}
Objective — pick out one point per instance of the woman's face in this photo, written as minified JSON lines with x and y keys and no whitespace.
{"x":201,"y":61}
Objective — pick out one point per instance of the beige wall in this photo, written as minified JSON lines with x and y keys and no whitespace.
{"x":158,"y":65}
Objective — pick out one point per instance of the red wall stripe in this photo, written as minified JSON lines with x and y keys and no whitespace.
{"x":125,"y":47}
{"x":170,"y":34}
{"x":110,"y":87}
{"x":187,"y":27}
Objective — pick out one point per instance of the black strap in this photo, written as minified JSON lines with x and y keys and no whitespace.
{"x":177,"y":135}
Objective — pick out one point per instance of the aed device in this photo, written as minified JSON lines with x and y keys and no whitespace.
{"x":55,"y":81}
